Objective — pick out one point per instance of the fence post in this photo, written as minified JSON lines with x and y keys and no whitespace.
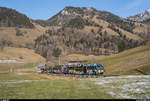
{"x":11,"y":70}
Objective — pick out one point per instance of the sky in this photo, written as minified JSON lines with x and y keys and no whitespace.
{"x":44,"y":9}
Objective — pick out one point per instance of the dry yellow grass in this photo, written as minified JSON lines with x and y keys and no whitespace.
{"x":111,"y":32}
{"x":29,"y":56}
{"x":100,"y":22}
{"x":9,"y":33}
{"x":89,"y":28}
{"x":105,"y":26}
{"x":73,"y":57}
{"x":141,"y":29}
{"x":127,"y":62}
{"x":130,"y":35}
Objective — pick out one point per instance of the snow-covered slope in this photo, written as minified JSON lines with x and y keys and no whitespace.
{"x":141,"y":17}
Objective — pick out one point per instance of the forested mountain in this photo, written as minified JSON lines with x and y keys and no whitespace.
{"x":73,"y":30}
{"x":12,"y":18}
{"x":88,"y":31}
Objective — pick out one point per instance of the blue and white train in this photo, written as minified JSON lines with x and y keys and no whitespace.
{"x":79,"y":69}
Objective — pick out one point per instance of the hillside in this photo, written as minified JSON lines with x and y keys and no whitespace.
{"x":12,"y":18}
{"x":22,"y":54}
{"x":20,"y":37}
{"x":89,"y":31}
{"x":133,"y":61}
{"x":17,"y":30}
{"x":130,"y":62}
{"x":77,"y":30}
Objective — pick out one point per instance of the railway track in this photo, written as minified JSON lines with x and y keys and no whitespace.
{"x":77,"y":75}
{"x":69,"y":75}
{"x":81,"y":76}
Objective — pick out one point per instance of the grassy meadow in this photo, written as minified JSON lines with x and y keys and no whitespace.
{"x":24,"y":83}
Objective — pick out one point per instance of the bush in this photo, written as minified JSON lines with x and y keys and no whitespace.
{"x":100,"y":30}
{"x":92,"y":30}
{"x":18,"y":32}
{"x":56,"y":52}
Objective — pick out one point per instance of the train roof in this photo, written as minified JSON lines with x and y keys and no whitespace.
{"x":78,"y":61}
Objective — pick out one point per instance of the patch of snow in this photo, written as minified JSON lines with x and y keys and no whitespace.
{"x":123,"y":95}
{"x":148,"y":11}
{"x":10,"y":61}
{"x":64,"y":12}
{"x":19,"y":81}
{"x":130,"y":77}
{"x":127,"y":84}
{"x":112,"y":93}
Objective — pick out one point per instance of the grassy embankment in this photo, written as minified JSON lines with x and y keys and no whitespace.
{"x":134,"y":61}
{"x":130,"y":62}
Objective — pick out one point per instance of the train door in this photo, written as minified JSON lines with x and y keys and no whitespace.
{"x":84,"y":69}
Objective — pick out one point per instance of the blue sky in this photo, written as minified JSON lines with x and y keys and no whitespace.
{"x":44,"y":9}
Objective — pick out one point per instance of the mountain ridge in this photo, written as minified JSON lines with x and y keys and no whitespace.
{"x":78,"y":30}
{"x":12,"y":18}
{"x":95,"y":29}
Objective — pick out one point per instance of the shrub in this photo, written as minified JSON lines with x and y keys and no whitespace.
{"x":92,"y":30}
{"x":56,"y":52}
{"x":100,"y":30}
{"x":18,"y":32}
